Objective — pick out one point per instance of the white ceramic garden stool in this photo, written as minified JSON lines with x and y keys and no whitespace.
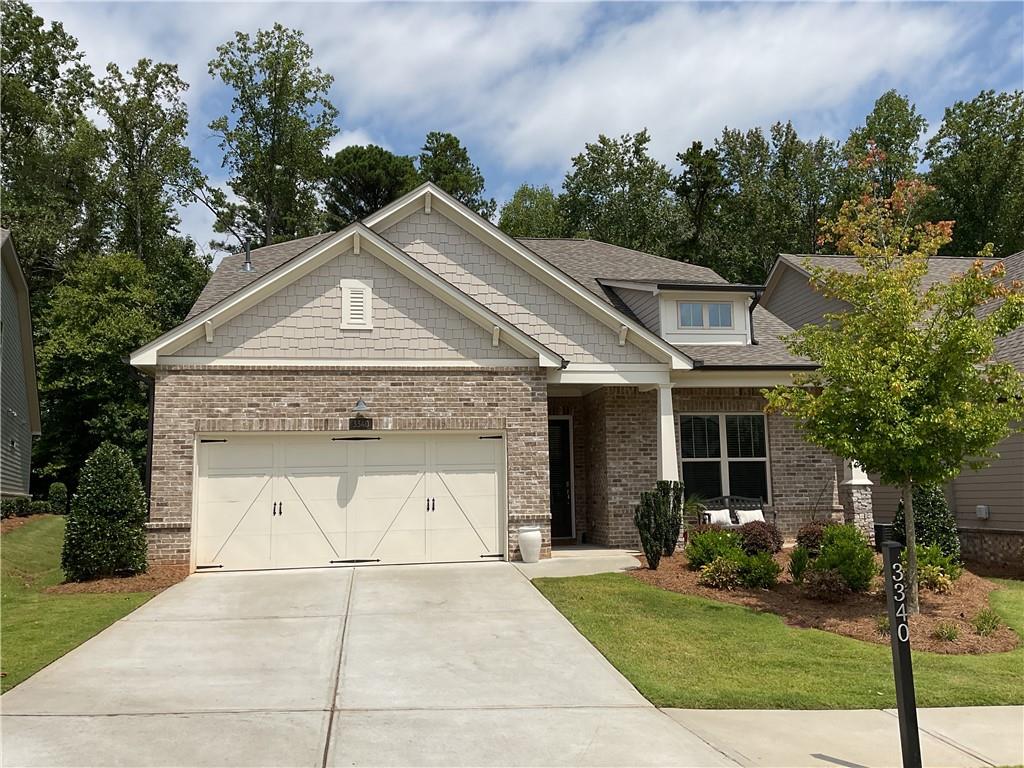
{"x":529,"y":543}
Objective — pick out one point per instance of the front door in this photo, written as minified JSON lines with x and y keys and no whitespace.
{"x":560,"y":467}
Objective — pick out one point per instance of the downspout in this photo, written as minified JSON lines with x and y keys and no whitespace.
{"x":756,"y":300}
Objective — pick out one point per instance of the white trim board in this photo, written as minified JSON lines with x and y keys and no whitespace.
{"x":314,"y":257}
{"x":322,"y":362}
{"x":442,"y":203}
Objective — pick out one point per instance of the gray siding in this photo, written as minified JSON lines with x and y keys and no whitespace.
{"x":646,"y":306}
{"x":522,"y":299}
{"x":795,"y":303}
{"x":303,"y":320}
{"x":1000,"y":485}
{"x":16,"y":445}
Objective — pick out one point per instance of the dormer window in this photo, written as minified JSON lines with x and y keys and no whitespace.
{"x":693,"y":314}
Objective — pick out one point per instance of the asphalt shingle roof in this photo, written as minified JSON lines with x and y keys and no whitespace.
{"x":229,"y":277}
{"x":940,"y":269}
{"x":1010,"y":348}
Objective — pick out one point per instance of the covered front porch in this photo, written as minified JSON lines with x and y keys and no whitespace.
{"x":608,"y":443}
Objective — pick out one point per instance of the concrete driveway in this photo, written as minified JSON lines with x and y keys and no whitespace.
{"x":413,"y":665}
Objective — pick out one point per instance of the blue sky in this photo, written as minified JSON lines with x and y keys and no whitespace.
{"x":526,"y":85}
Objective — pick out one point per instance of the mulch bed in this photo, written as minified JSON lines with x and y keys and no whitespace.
{"x":858,"y":615}
{"x":158,"y":577}
{"x":10,"y":523}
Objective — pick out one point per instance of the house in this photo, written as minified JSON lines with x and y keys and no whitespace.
{"x":19,"y":421}
{"x":419,"y":385}
{"x":989,"y":503}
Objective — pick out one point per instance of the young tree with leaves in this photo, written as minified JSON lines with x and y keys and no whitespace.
{"x":362,"y":180}
{"x":977,"y":168}
{"x":274,"y":141}
{"x":446,"y":162}
{"x":616,"y":192}
{"x":907,"y":385}
{"x":532,"y":212}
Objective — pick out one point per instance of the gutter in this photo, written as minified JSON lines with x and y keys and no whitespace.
{"x":787,"y":367}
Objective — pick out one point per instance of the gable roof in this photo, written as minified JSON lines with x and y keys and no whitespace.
{"x":428,"y":196}
{"x":12,"y":267}
{"x":273,"y":279}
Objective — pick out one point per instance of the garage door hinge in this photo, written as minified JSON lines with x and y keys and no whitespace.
{"x":499,"y":554}
{"x":490,"y":437}
{"x":334,"y":439}
{"x":338,"y":562}
{"x":207,"y":567}
{"x":211,"y":440}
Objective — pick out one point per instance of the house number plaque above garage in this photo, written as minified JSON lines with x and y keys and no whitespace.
{"x":360,"y":422}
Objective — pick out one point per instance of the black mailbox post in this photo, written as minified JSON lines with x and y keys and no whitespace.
{"x":899,"y":633}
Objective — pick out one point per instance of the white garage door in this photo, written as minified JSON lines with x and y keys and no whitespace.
{"x":291,"y":502}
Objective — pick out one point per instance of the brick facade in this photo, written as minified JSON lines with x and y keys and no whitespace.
{"x":191,"y":400}
{"x":622,"y":458}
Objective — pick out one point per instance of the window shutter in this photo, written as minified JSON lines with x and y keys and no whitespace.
{"x":356,"y":304}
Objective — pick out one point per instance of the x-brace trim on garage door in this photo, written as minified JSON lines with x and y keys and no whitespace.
{"x":456,"y":500}
{"x":240,"y":519}
{"x":311,"y":516}
{"x":397,"y":513}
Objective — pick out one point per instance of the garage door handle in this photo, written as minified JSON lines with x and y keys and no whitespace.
{"x":274,"y":512}
{"x":280,"y":508}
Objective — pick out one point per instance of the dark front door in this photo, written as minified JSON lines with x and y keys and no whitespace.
{"x":559,"y":453}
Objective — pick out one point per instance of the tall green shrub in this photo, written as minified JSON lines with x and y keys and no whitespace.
{"x":934,"y":522}
{"x":672,"y":493}
{"x":58,"y":498}
{"x":105,"y":534}
{"x":652,"y":523}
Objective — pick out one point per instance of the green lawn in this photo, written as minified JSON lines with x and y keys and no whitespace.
{"x":37,"y":628}
{"x":684,"y":651}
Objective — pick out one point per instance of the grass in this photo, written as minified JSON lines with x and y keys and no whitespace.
{"x":685,"y":651}
{"x":37,"y":627}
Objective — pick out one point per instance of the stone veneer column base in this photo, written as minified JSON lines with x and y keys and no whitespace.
{"x":1004,"y":548}
{"x":857,"y":508}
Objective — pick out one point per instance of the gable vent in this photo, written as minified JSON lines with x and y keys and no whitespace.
{"x":356,"y":304}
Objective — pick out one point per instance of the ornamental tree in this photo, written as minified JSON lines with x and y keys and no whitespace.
{"x":907,"y":384}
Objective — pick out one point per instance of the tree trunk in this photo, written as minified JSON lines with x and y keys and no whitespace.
{"x":908,"y":525}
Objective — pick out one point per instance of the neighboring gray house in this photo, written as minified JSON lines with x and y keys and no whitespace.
{"x":989,"y":503}
{"x":418,"y":386}
{"x":20,"y":400}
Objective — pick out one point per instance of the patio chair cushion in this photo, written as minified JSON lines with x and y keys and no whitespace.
{"x":718,"y":516}
{"x":749,"y":516}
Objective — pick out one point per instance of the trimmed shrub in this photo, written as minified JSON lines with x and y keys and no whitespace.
{"x":722,"y":572}
{"x":882,"y":625}
{"x":809,"y":536}
{"x":986,"y":622}
{"x":58,"y":498}
{"x":705,"y":547}
{"x":672,"y":493}
{"x":40,"y":507}
{"x":759,"y":537}
{"x":105,"y":534}
{"x":826,"y":584}
{"x":932,"y":578}
{"x":934,"y":522}
{"x":799,"y":559}
{"x":651,"y":518}
{"x":703,"y":527}
{"x":19,"y":506}
{"x":845,"y":549}
{"x":759,"y":571}
{"x":932,"y":555}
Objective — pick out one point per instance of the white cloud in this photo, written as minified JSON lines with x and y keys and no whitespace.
{"x":355,"y":137}
{"x":525,"y":85}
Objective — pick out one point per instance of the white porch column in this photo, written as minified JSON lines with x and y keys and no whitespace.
{"x":668,"y":459}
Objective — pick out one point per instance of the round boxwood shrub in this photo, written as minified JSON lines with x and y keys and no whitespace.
{"x":19,"y":506}
{"x":40,"y":507}
{"x":707,"y":546}
{"x":759,"y":571}
{"x":809,"y":536}
{"x":845,"y":550}
{"x":58,"y":498}
{"x":105,"y":534}
{"x":722,"y":572}
{"x":934,"y":522}
{"x":759,"y":536}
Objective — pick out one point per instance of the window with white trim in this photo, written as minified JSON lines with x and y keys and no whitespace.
{"x":697,"y":314}
{"x":356,"y":304}
{"x":724,"y":455}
